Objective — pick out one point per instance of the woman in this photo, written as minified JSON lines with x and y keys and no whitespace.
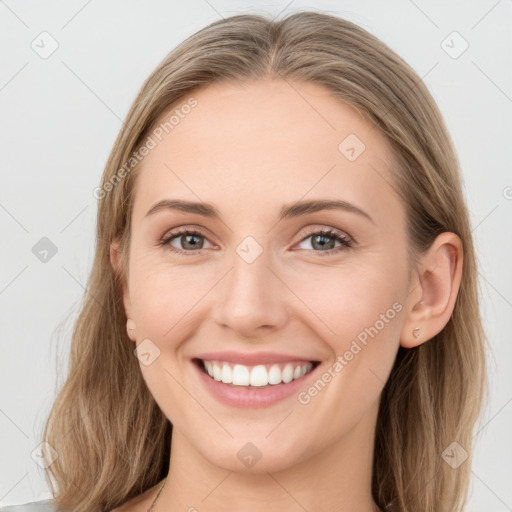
{"x":282,"y":312}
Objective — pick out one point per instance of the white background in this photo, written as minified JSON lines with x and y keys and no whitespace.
{"x":60,"y":117}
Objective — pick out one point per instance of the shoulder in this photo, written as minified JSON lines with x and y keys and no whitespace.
{"x":35,"y":506}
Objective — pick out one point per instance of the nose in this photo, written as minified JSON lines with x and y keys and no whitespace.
{"x":251,"y":300}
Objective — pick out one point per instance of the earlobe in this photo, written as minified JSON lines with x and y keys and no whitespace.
{"x":131,"y":329}
{"x":437,"y":286}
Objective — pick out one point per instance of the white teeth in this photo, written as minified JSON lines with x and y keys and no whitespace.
{"x":274,"y":375}
{"x":287,"y":373}
{"x":227,"y":374}
{"x":258,"y":376}
{"x":217,"y":372}
{"x":240,"y":375}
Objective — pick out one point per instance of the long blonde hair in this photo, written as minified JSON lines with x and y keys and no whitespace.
{"x":112,"y":438}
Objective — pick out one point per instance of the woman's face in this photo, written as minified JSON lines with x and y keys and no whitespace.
{"x":257,"y":284}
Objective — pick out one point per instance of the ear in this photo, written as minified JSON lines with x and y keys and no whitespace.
{"x":116,"y":261}
{"x":434,"y":290}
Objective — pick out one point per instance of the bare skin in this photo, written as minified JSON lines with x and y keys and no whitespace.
{"x":249,"y":149}
{"x":140,"y":503}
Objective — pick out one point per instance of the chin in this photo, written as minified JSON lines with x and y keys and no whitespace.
{"x":255,"y":458}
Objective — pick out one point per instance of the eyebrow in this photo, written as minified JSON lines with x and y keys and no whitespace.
{"x":287,"y":211}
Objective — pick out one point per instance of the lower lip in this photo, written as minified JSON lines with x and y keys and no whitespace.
{"x":251,"y":397}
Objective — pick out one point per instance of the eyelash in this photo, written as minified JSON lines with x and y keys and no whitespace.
{"x":346,"y":242}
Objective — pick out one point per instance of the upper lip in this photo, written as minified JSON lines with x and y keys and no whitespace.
{"x":251,"y":359}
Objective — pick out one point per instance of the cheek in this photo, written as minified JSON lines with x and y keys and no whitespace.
{"x":359,"y":316}
{"x":163,"y":300}
{"x":356,"y":301}
{"x":164,"y":297}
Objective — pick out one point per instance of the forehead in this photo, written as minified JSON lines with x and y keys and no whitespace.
{"x":265,"y":143}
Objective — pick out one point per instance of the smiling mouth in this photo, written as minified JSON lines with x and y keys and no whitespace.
{"x":261,"y":375}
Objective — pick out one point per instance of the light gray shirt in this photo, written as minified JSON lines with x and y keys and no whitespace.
{"x":35,"y":506}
